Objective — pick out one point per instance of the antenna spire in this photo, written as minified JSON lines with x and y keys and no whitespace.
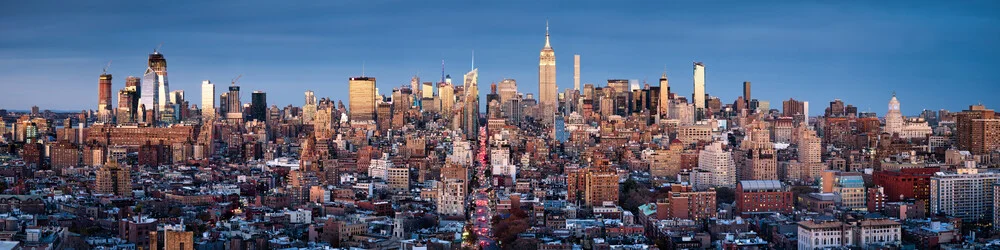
{"x":473,"y":59}
{"x":362,"y":68}
{"x":442,"y":70}
{"x":547,"y":33}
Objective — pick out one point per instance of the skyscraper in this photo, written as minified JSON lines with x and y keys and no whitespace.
{"x":104,"y":112}
{"x":104,"y":93}
{"x":470,"y":120}
{"x":547,"y":82}
{"x":158,"y":64}
{"x":207,"y":99}
{"x":258,"y":106}
{"x":233,"y":105}
{"x":746,"y":91}
{"x":576,"y":72}
{"x":664,"y":108}
{"x":362,"y":98}
{"x":699,"y":89}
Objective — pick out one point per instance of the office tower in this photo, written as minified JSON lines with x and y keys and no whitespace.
{"x":362,"y":98}
{"x":234,"y":107}
{"x":978,"y":130}
{"x":547,"y":82}
{"x":207,"y":100}
{"x":446,"y":92}
{"x":966,"y":193}
{"x":114,"y":180}
{"x":507,"y":89}
{"x":224,"y":104}
{"x":158,"y":64}
{"x":149,"y":95}
{"x":746,"y":90}
{"x":576,"y":72}
{"x":664,"y":110}
{"x":471,"y":112}
{"x":258,"y":106}
{"x":699,"y":90}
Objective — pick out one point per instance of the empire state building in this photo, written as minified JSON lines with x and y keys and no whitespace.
{"x":547,"y":92}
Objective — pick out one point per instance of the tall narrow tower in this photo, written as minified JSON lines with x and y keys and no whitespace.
{"x":664,"y":95}
{"x":207,"y":100}
{"x":547,"y":81}
{"x":576,"y":72}
{"x":699,"y":90}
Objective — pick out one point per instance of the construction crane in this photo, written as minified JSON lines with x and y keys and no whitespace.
{"x":157,"y":49}
{"x":237,"y":79}
{"x":105,"y":71}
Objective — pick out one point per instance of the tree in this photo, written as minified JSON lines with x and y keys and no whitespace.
{"x":507,"y":230}
{"x":724,"y":195}
{"x":523,"y":244}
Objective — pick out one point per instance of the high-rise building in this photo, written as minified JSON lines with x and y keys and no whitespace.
{"x":470,"y":120}
{"x":507,"y":89}
{"x":114,"y":180}
{"x":158,"y":64}
{"x":746,"y":91}
{"x":699,"y":90}
{"x":792,"y":107}
{"x":258,"y":106}
{"x":104,"y":93}
{"x":576,"y":72}
{"x":446,"y":92}
{"x":966,"y":194}
{"x":978,"y":130}
{"x":547,"y":93}
{"x":207,"y":99}
{"x":362,"y":98}
{"x":664,"y":105}
{"x":720,"y":163}
{"x":234,"y":107}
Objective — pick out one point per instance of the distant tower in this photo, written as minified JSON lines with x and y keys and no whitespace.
{"x":547,"y":82}
{"x":470,"y":119}
{"x":104,"y":97}
{"x":233,"y":105}
{"x":699,"y":90}
{"x":207,"y":100}
{"x":362,"y":101}
{"x":894,"y":118}
{"x":664,"y":95}
{"x":258,"y":106}
{"x":746,"y":92}
{"x":159,"y":65}
{"x":576,"y":72}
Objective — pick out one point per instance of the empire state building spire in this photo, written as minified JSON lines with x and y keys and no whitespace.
{"x":547,"y":34}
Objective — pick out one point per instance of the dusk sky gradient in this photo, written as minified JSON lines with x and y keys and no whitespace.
{"x":933,"y":54}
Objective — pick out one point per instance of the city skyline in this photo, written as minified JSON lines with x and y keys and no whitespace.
{"x":861,"y":60}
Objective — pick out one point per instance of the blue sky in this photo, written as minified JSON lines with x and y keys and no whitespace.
{"x":933,"y":54}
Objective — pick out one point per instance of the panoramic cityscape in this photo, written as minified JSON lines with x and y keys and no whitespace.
{"x":450,"y":160}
